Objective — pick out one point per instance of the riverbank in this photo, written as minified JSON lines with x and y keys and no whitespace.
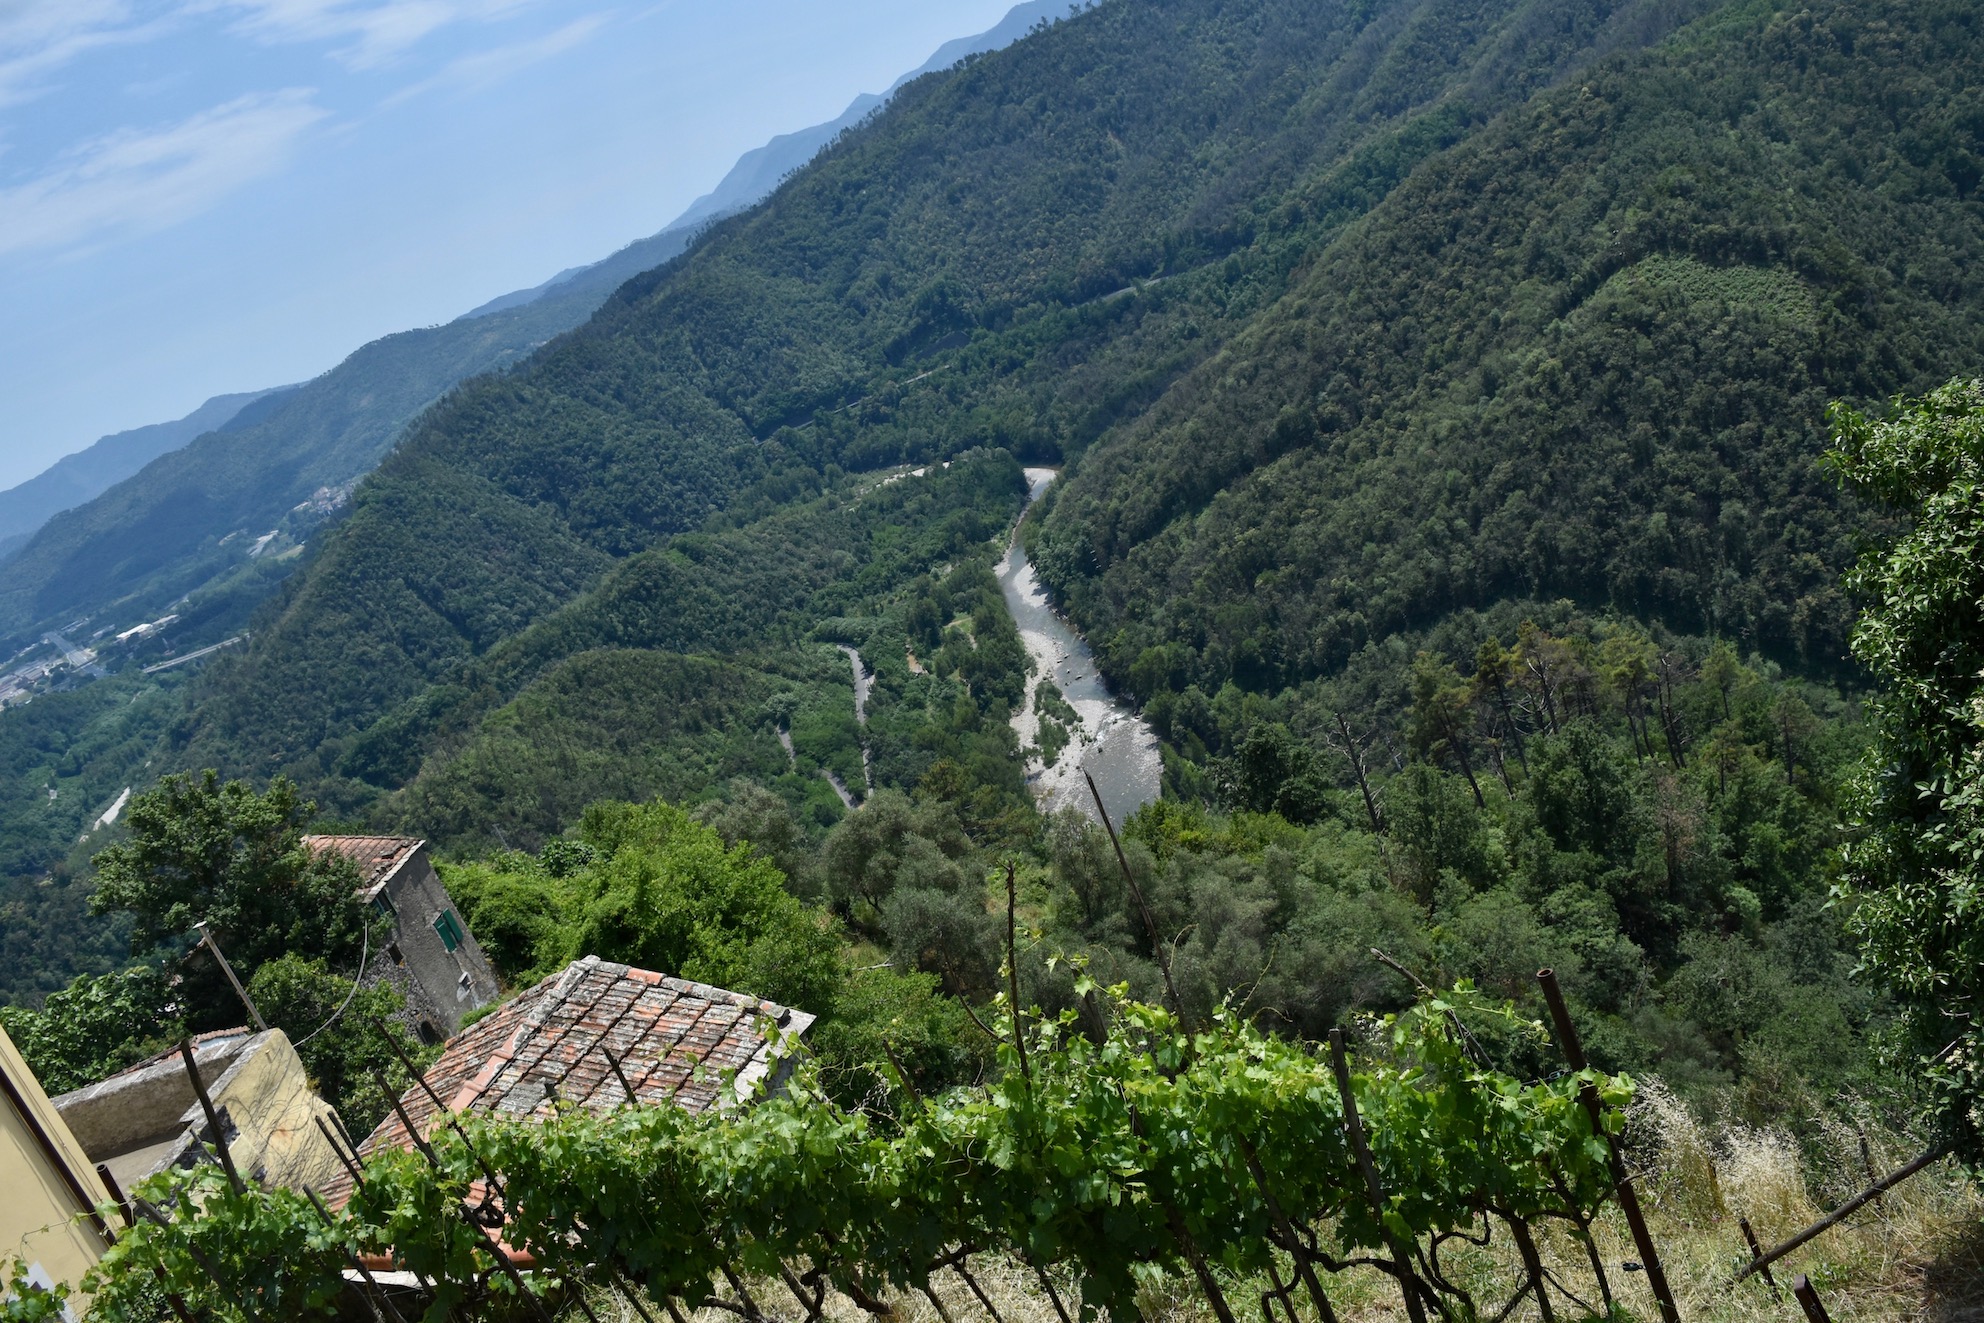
{"x":1108,"y":740}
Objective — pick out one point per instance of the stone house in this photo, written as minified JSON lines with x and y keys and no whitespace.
{"x":600,"y":1035}
{"x":431,"y":958}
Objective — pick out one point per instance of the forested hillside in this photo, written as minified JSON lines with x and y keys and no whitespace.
{"x":1586,"y":354}
{"x":962,"y":272}
{"x":77,"y":478}
{"x":190,"y":516}
{"x":1497,"y":332}
{"x":1441,"y":392}
{"x":168,"y":533}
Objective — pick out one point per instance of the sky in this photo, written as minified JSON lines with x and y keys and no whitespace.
{"x":206,"y":196}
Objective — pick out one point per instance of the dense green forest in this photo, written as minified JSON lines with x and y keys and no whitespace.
{"x":1439,"y":389}
{"x":939,"y":280}
{"x":1585,"y":354}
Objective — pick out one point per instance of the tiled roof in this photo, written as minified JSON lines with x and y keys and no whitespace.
{"x":660,"y":1030}
{"x":377,"y":857}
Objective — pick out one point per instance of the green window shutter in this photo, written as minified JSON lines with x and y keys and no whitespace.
{"x":449,"y":928}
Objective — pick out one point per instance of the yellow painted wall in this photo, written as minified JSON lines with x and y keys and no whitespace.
{"x":42,"y":1221}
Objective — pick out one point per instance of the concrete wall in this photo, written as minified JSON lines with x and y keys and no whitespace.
{"x":265,"y":1094}
{"x":128,"y":1120}
{"x":47,"y":1181}
{"x":440,"y":986}
{"x":148,"y":1119}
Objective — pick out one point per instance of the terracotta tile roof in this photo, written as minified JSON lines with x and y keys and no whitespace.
{"x":377,"y":857}
{"x":546,"y":1041}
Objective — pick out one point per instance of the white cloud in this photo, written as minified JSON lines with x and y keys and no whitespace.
{"x":37,"y":37}
{"x":379,"y":31}
{"x":483,"y":69}
{"x":136,"y":181}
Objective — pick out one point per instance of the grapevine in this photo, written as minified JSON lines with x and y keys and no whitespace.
{"x":1156,"y":1153}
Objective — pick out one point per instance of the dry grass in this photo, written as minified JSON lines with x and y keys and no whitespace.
{"x":1918,"y":1254}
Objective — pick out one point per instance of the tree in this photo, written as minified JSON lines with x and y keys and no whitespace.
{"x":332,"y":1030}
{"x":892,"y":842}
{"x":1916,"y":867}
{"x":1274,"y":772}
{"x":94,"y":1027}
{"x":1442,"y":711}
{"x":200,"y":850}
{"x":666,"y":894}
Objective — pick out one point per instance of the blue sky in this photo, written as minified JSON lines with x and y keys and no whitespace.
{"x":203,"y":196}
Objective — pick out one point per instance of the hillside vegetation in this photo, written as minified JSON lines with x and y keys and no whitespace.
{"x":1439,"y":387}
{"x":1586,"y":354}
{"x":953,"y":275}
{"x":191,"y":514}
{"x":77,"y":478}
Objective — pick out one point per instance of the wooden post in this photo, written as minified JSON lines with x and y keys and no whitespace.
{"x":207,"y":940}
{"x":751,"y":1310}
{"x":1757,"y":1257}
{"x":1629,"y":1200}
{"x":500,"y":1254}
{"x":1012,"y":979}
{"x":1047,"y":1284}
{"x":158,"y":1219}
{"x":1808,"y":1300}
{"x":358,"y":1183}
{"x":626,"y":1085}
{"x":357,"y":1177}
{"x":961,"y":1270}
{"x":213,"y":1117}
{"x":1532,"y":1264}
{"x":1844,"y":1211}
{"x":935,"y":1299}
{"x":1296,"y":1250}
{"x":1281,"y":1292}
{"x":324,"y":1216}
{"x":1408,"y":1280}
{"x":1200,"y":1268}
{"x":1157,"y":948}
{"x":124,"y":1210}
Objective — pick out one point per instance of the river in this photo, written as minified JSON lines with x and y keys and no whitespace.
{"x":1113,"y":745}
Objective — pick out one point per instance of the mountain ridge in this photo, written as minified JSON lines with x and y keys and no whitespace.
{"x":334,"y":431}
{"x":87,"y":473}
{"x":765,"y":352}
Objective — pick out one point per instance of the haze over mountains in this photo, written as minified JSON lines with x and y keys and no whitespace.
{"x":155,"y":539}
{"x":1356,"y":330}
{"x":76,"y":478}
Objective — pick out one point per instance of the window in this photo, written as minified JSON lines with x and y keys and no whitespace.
{"x":450,"y":929}
{"x":382,"y":906}
{"x":394,"y":952}
{"x":428,"y":1033}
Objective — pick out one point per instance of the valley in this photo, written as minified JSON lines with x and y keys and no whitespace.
{"x":1480,"y":488}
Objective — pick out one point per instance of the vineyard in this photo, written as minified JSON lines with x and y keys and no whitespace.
{"x":1112,"y":1160}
